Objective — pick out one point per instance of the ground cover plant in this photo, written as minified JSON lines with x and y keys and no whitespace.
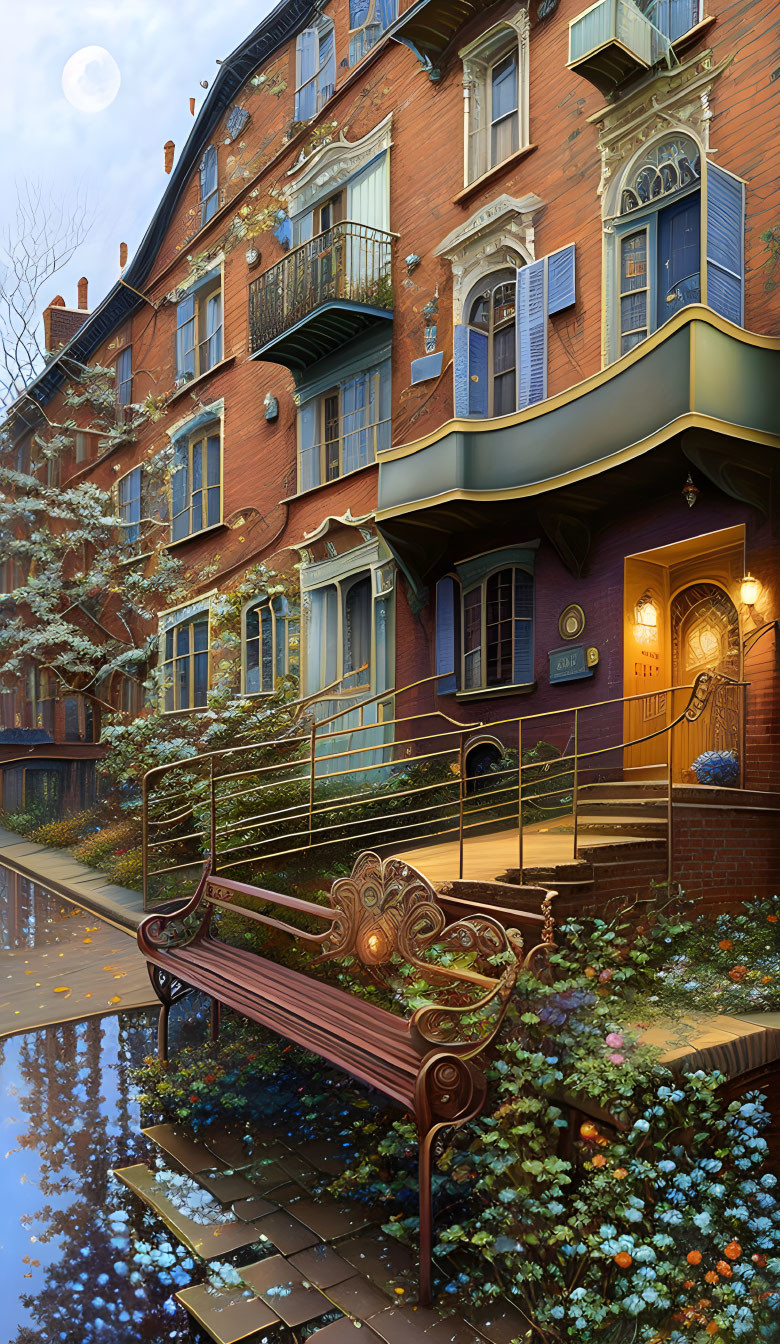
{"x":603,"y":1194}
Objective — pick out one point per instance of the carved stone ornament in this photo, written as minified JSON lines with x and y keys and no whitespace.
{"x":498,"y":234}
{"x":332,"y":164}
{"x":676,"y":98}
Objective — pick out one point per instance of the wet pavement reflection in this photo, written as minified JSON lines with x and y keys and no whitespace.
{"x":57,"y":961}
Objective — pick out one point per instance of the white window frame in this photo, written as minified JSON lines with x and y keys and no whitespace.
{"x":479,"y":61}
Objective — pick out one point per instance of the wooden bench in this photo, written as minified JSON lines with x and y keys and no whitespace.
{"x":384,"y":911}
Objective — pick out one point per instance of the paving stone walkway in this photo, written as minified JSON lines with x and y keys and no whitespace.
{"x":312,"y":1267}
{"x":58,"y":871}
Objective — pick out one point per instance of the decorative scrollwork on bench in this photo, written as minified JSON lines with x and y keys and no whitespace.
{"x":168,"y":987}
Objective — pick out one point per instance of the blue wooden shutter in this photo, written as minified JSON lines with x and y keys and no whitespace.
{"x":470,"y":357}
{"x":308,"y":418}
{"x":445,"y":636}
{"x":185,"y":336}
{"x":385,"y":12}
{"x":725,"y":243}
{"x":531,"y":333}
{"x":308,"y":48}
{"x":560,"y":279}
{"x":523,"y":670}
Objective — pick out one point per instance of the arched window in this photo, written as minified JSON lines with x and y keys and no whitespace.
{"x":493,"y":342}
{"x":209,"y":185}
{"x":659,"y":250}
{"x":270,"y":635}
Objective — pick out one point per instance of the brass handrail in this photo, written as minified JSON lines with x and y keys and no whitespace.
{"x":315,"y":822}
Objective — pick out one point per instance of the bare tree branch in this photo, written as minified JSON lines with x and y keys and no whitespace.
{"x":42,"y":239}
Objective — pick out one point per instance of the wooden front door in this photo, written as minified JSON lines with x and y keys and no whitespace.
{"x":705,"y":638}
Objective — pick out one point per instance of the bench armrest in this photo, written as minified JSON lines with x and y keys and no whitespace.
{"x":161,"y":931}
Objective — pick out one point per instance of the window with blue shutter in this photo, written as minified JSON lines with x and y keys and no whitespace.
{"x":209,"y":186}
{"x":496,"y":626}
{"x":185,"y":337}
{"x":307,"y":49}
{"x":532,"y":333}
{"x":445,"y":636}
{"x":124,"y":376}
{"x":725,"y":243}
{"x":524,"y":628}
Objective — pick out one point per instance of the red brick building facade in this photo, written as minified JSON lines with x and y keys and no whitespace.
{"x":451,"y":305}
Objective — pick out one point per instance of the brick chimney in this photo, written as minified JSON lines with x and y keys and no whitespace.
{"x":61,"y":323}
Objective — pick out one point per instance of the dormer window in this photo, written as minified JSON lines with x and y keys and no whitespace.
{"x":315,"y":60}
{"x":209,"y":186}
{"x":495,"y":70}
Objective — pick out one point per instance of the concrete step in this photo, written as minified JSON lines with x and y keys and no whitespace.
{"x":623,"y":789}
{"x":627,"y":807}
{"x":627,"y":824}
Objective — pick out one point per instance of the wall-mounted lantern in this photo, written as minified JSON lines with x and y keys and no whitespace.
{"x":646,"y":620}
{"x":750,"y":590}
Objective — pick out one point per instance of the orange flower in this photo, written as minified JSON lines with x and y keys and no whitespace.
{"x":738,"y":972}
{"x":590,"y":972}
{"x":759,"y":1260}
{"x":710,"y":1276}
{"x":712,"y":1328}
{"x":766,"y":979}
{"x":599,"y":1160}
{"x":589,"y":1131}
{"x":733,"y":1250}
{"x":724,"y":1269}
{"x":623,"y":1259}
{"x":694,"y":1257}
{"x":771,"y":919}
{"x":688,"y":1283}
{"x":725,"y":944}
{"x":620,"y":1173}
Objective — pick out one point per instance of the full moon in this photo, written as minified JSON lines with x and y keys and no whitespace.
{"x":91,"y":79}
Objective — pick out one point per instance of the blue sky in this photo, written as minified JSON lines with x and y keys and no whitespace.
{"x":163,"y":48}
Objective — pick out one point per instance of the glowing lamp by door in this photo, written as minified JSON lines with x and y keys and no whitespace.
{"x":749,"y":590}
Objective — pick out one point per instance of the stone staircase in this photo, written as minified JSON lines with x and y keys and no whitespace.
{"x":631,"y":863}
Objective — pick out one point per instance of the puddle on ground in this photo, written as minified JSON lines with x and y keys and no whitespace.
{"x":57,"y":961}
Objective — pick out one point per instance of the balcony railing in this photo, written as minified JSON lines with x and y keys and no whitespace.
{"x":614,"y":40}
{"x":349,"y":264}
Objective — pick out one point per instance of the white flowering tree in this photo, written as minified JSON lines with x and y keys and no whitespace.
{"x":80,"y":602}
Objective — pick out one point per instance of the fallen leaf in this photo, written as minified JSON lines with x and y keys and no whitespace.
{"x":61,"y":989}
{"x":86,"y":940}
{"x":115,"y":999}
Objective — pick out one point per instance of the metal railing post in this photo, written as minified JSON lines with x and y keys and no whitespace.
{"x":312,"y":758}
{"x":461,"y":793}
{"x":520,"y":797}
{"x":742,"y":732}
{"x":145,"y":841}
{"x":670,"y":808}
{"x":576,"y":779}
{"x":212,"y":817}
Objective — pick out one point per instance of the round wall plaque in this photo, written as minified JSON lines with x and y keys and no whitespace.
{"x":571,"y":621}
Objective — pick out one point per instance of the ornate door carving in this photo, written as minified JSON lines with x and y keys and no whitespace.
{"x":705,"y":638}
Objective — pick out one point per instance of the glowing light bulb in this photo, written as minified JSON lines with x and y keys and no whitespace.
{"x":749,"y":590}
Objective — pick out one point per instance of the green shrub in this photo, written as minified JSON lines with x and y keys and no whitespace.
{"x":67,"y":831}
{"x":112,"y":840}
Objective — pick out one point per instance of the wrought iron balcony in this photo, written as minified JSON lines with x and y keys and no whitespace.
{"x":614,"y":41}
{"x":324,"y":293}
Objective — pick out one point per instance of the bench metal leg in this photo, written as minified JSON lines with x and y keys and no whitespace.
{"x":215,"y":1019}
{"x":162,"y":1033}
{"x":427,"y":1139}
